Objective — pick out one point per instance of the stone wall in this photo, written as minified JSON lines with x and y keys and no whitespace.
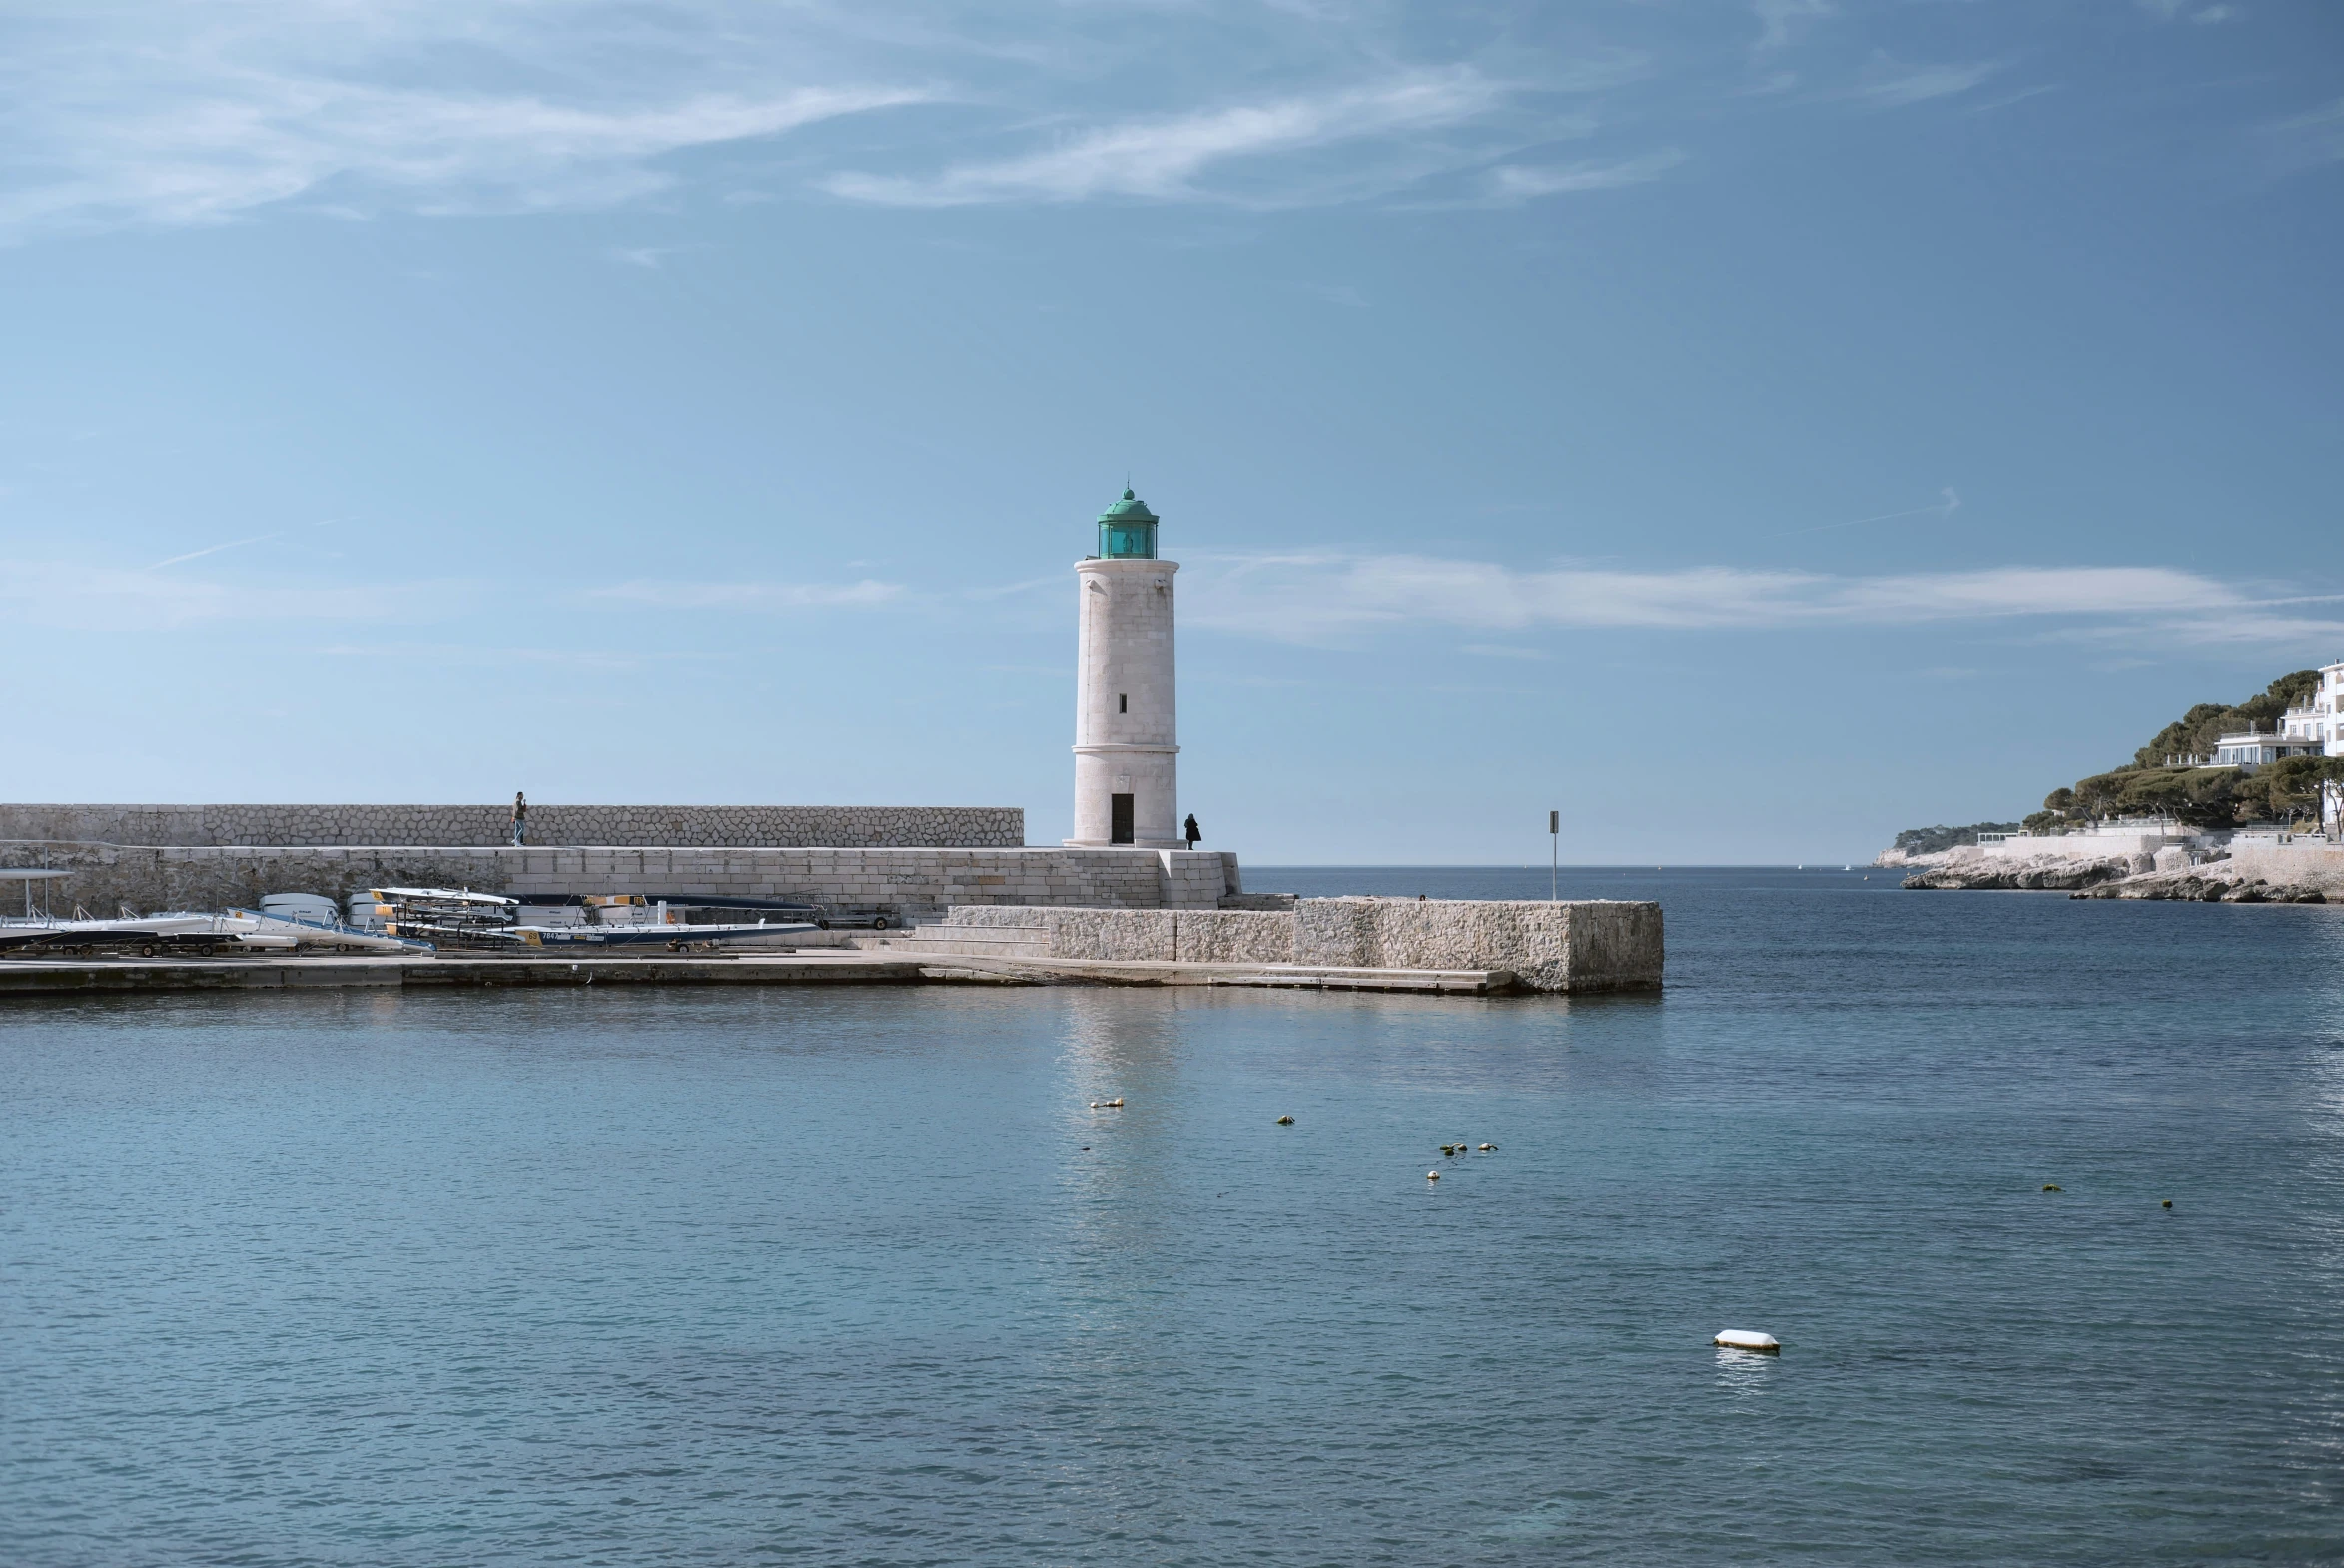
{"x":1191,"y":936}
{"x":745,"y":827}
{"x":905,"y":884}
{"x":2304,"y":861}
{"x":1583,"y":946}
{"x":1579,"y":946}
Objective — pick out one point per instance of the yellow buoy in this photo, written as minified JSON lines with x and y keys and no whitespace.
{"x":1285,"y":1121}
{"x":2046,"y":1187}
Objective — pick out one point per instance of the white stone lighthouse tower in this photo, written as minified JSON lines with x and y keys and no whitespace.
{"x":1127,"y":736}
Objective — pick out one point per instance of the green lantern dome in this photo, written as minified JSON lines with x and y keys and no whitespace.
{"x":1127,"y":531}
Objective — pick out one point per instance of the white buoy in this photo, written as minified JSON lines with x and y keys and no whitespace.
{"x":1432,"y":1176}
{"x":1745,"y":1339}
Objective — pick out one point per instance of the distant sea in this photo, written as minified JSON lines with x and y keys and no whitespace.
{"x":722,"y":1276}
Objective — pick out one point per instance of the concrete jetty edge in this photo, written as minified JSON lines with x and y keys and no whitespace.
{"x":44,"y":977}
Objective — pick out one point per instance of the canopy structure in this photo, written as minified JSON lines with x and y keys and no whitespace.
{"x":28,"y":875}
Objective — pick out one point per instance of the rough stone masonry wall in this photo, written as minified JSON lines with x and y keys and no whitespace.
{"x":1585,"y":946}
{"x":1592,"y":944}
{"x":1190,"y":936}
{"x":2305,"y":862}
{"x":746,"y":827}
{"x":905,"y":884}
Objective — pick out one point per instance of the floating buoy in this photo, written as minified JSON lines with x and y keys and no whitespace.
{"x":1745,"y":1339}
{"x":2169,"y":1202}
{"x":1106,"y":1104}
{"x":1488,"y":1147}
{"x":1285,"y":1121}
{"x":2048,"y":1187}
{"x":1116,"y":1102}
{"x":1432,"y":1176}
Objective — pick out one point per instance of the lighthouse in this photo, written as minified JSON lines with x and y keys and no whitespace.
{"x":1126,"y":738}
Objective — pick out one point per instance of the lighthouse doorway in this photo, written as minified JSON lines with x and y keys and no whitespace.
{"x":1118,"y":820}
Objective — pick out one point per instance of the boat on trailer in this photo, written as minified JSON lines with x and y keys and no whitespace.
{"x":492,"y":921}
{"x":181,"y":934}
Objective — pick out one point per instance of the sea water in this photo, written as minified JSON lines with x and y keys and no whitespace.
{"x":860,"y":1275}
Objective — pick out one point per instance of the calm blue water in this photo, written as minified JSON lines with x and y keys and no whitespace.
{"x":855,"y":1276}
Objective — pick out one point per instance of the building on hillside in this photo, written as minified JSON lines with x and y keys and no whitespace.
{"x":2321,"y":718}
{"x":2253,"y":749}
{"x":2109,"y":836}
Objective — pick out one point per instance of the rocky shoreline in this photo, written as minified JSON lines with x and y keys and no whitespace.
{"x":2113,"y":876}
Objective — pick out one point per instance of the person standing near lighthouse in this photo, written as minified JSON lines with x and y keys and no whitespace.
{"x":1127,"y":746}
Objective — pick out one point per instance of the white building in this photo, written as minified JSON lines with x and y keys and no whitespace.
{"x":2110,"y":836}
{"x":1127,"y":732}
{"x":2321,"y":718}
{"x":2253,"y":749}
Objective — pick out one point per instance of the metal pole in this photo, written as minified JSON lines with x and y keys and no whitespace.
{"x":1554,"y":857}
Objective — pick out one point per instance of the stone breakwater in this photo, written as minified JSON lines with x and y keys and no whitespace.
{"x":373,"y":826}
{"x":904,"y":884}
{"x":1582,"y":946}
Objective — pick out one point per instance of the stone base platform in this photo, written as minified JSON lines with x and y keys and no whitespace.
{"x":40,"y":977}
{"x":1266,"y":977}
{"x":1580,"y":946}
{"x":32,"y":976}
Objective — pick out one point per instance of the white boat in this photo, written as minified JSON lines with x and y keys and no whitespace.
{"x":331,"y":936}
{"x":675,"y":937}
{"x":181,"y":934}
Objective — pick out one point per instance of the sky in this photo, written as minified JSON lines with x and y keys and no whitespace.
{"x":1749,"y":427}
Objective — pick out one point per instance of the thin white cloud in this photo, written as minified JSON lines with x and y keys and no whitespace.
{"x":647,"y":257}
{"x":101,"y":599}
{"x":1781,"y":20}
{"x":2178,"y":10}
{"x":231,"y":545}
{"x":1948,"y":502}
{"x":866,"y":594}
{"x":1333,"y":598}
{"x":2308,"y":140}
{"x":1521,"y":182}
{"x":1167,"y":157}
{"x":1885,"y":84}
{"x":214,"y":146}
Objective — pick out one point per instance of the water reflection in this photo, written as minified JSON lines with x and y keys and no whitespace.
{"x":1743,"y":1373}
{"x":1119,"y":1184}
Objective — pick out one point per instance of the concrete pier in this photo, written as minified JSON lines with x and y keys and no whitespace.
{"x":31,"y":977}
{"x":27,"y":977}
{"x":1580,"y":946}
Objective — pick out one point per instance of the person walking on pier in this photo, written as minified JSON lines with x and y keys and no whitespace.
{"x":520,"y":819}
{"x":1193,"y":833}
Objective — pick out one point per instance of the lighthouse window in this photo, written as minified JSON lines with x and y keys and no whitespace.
{"x":1123,"y":702}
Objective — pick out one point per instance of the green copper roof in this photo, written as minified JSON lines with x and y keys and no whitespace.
{"x":1129,"y":509}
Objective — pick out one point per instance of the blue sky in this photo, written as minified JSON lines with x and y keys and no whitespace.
{"x":1750,"y":427}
